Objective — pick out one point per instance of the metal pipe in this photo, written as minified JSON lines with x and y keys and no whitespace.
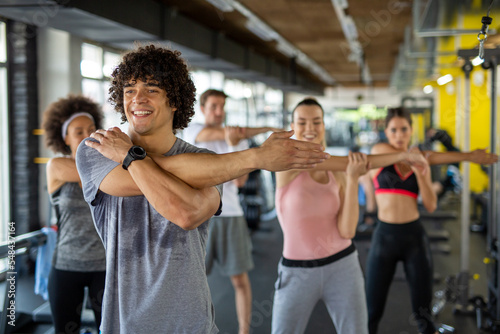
{"x":448,"y":32}
{"x":492,"y":235}
{"x":463,"y":278}
{"x":492,"y":208}
{"x":411,"y":54}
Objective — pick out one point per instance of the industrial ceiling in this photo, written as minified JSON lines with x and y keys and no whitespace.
{"x":300,"y":45}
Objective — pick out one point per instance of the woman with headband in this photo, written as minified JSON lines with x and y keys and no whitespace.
{"x":79,"y":256}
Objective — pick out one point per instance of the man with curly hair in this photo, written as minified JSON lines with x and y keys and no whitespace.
{"x":151,"y":203}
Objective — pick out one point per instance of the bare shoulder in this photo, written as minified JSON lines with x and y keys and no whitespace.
{"x":56,"y":168}
{"x":382,"y":148}
{"x":56,"y":163}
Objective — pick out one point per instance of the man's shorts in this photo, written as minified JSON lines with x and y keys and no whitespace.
{"x":229,"y":245}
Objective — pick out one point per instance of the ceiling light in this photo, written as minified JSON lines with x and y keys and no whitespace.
{"x":349,"y":28}
{"x":261,"y":30}
{"x":342,"y":3}
{"x":477,"y":61}
{"x":428,"y":89}
{"x":222,"y":5}
{"x":286,"y":48}
{"x":444,"y":79}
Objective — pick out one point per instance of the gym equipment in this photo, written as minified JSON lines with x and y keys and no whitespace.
{"x":487,"y":312}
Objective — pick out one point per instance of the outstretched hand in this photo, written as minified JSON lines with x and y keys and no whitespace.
{"x":233,"y":134}
{"x":279,"y":153}
{"x":357,"y":164}
{"x":418,"y":162}
{"x":113,"y":143}
{"x":480,"y":156}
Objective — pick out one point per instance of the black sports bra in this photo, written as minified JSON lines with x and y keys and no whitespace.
{"x":390,"y":180}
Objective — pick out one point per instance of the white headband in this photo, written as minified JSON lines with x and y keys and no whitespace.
{"x":69,"y":120}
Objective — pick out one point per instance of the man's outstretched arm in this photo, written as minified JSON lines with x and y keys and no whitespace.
{"x":234,"y":133}
{"x":201,"y":170}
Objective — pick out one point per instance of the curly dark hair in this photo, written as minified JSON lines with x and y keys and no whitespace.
{"x":59,"y":111}
{"x":164,"y":66}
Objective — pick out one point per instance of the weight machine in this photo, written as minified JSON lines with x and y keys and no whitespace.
{"x":487,"y":311}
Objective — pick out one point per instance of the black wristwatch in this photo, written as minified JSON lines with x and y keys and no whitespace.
{"x":135,"y":153}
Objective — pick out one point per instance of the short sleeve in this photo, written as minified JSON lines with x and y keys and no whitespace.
{"x":93,"y":168}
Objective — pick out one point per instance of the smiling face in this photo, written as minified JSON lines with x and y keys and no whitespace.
{"x":214,"y":110}
{"x":308,"y":123}
{"x":398,"y":132}
{"x":79,"y":129}
{"x":147,"y":108}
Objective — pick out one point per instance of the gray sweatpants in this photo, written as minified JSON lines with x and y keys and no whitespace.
{"x":339,"y":284}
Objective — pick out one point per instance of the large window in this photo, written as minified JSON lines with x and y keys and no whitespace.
{"x":4,"y":135}
{"x":96,"y":68}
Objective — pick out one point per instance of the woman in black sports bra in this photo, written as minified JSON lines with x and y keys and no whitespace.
{"x":399,"y":235}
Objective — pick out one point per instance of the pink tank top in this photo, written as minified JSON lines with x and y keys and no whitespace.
{"x":307,"y":212}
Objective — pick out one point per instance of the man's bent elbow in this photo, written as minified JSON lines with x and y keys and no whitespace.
{"x":192,"y":219}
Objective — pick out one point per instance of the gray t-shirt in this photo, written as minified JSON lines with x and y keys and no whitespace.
{"x":78,"y":245}
{"x":155,"y":270}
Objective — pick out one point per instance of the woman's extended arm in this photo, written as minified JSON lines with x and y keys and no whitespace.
{"x":383,"y":156}
{"x":479,"y":156}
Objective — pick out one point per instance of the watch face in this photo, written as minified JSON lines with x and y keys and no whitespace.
{"x":139,"y":151}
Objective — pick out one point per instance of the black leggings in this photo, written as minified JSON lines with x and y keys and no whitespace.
{"x":400,"y":242}
{"x":66,"y":294}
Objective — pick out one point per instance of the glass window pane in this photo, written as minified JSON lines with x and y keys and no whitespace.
{"x":91,"y":65}
{"x":3,"y":44}
{"x":234,"y":88}
{"x":111,"y":117}
{"x":201,"y":80}
{"x":216,"y":80}
{"x":111,"y":60}
{"x":93,"y":89}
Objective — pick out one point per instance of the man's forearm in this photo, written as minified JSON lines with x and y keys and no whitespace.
{"x":250,"y":132}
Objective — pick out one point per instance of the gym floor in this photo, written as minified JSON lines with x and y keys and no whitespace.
{"x":267,"y":247}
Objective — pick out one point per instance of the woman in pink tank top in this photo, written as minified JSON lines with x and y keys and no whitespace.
{"x":318,"y":212}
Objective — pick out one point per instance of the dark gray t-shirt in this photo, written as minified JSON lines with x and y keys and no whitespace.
{"x":155,"y":270}
{"x":78,"y":245}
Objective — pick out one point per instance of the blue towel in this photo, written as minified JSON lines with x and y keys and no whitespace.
{"x":44,"y":263}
